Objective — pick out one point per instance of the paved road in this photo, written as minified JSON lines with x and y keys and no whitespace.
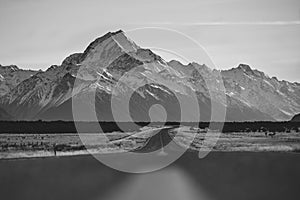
{"x":161,"y":141}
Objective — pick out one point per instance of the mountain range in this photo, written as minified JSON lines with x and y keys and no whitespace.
{"x":251,"y":95}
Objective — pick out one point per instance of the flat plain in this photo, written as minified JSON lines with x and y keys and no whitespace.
{"x":42,"y":145}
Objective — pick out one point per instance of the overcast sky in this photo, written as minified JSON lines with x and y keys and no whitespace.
{"x":262,"y":33}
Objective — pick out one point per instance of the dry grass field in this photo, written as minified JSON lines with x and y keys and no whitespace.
{"x":42,"y":145}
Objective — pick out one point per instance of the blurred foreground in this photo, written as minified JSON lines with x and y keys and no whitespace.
{"x":230,"y":175}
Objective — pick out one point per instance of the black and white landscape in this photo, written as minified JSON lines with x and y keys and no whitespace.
{"x":97,"y":99}
{"x":251,"y":95}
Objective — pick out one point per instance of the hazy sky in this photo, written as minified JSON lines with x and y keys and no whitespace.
{"x":262,"y":33}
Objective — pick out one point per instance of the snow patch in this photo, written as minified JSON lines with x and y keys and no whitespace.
{"x":245,"y":102}
{"x":285,"y":112}
{"x":268,"y":83}
{"x":230,"y":93}
{"x":250,"y":77}
{"x":291,"y":90}
{"x":102,"y":76}
{"x":156,"y":97}
{"x":278,"y":91}
{"x":158,"y":87}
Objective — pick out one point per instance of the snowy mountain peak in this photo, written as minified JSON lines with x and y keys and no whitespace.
{"x":99,"y":40}
{"x":117,"y":37}
{"x":280,"y":99}
{"x":248,"y":70}
{"x":251,"y":95}
{"x":123,"y":41}
{"x":9,"y":68}
{"x":104,"y":50}
{"x":11,"y":76}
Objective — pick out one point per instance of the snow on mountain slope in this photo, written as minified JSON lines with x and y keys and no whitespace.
{"x":206,"y":81}
{"x":53,"y":87}
{"x":279,"y":99}
{"x":11,"y":76}
{"x":115,"y":65}
{"x":101,"y":52}
{"x":42,"y":90}
{"x":101,"y":65}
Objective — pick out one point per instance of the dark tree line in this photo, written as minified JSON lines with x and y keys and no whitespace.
{"x":93,"y":127}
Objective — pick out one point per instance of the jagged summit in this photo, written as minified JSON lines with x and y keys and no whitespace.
{"x":244,"y":67}
{"x":118,"y":37}
{"x":175,"y":62}
{"x":11,"y":76}
{"x":281,"y":99}
{"x":48,"y":94}
{"x":240,"y":67}
{"x":100,"y":40}
{"x":190,"y":64}
{"x":9,"y":67}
